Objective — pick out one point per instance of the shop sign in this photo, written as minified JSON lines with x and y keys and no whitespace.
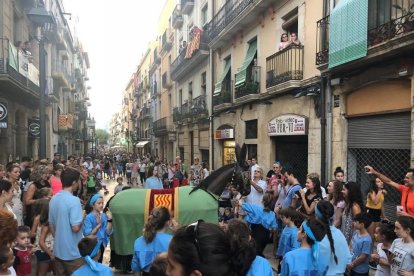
{"x":289,"y":124}
{"x":34,"y":128}
{"x":3,"y":115}
{"x":224,"y":134}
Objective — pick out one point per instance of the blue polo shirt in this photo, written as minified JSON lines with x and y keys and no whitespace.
{"x":65,"y":211}
{"x":290,"y":194}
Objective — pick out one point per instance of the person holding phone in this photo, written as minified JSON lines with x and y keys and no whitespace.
{"x":406,"y":190}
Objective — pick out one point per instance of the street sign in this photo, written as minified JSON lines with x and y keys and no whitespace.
{"x":3,"y":115}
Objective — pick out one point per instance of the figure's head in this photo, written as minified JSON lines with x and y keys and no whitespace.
{"x":240,"y":178}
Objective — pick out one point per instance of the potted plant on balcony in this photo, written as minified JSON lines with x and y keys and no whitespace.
{"x":407,"y":18}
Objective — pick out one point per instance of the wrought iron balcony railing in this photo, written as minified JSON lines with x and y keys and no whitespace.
{"x":160,"y":125}
{"x":189,"y":58}
{"x":249,"y":88}
{"x":284,"y":65}
{"x":226,"y":15}
{"x":401,"y":24}
{"x":223,"y":98}
{"x":391,"y":29}
{"x":198,"y":106}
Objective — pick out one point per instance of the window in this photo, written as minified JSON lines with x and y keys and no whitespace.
{"x":252,"y":151}
{"x":180,"y":97}
{"x":251,"y":129}
{"x":203,"y":83}
{"x":204,"y":15}
{"x":290,"y":24}
{"x":190,"y":91}
{"x":379,"y":12}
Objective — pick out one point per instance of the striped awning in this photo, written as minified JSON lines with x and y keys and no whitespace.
{"x":242,"y":71}
{"x":219,"y":83}
{"x":348,"y":34}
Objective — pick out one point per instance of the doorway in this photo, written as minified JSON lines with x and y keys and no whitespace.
{"x":292,"y":151}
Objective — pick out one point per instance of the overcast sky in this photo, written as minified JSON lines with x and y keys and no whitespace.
{"x":115,"y":34}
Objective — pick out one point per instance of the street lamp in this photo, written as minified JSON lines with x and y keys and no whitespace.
{"x":40,"y":17}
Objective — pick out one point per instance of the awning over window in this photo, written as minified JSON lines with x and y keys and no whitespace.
{"x":242,"y":71}
{"x":348,"y":32}
{"x":141,"y":144}
{"x":219,"y":83}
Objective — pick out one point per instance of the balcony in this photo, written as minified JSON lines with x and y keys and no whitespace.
{"x":222,"y":101}
{"x":61,"y":74}
{"x":166,"y":81}
{"x":138,"y":90}
{"x":233,"y":17}
{"x":198,"y":109}
{"x":181,"y":114}
{"x":284,"y":69}
{"x":145,"y":113}
{"x":188,"y":6}
{"x":19,"y":78}
{"x":53,"y":94}
{"x":159,"y":127}
{"x":322,"y":41}
{"x":248,"y":91}
{"x":189,"y":59}
{"x":155,"y":63}
{"x":177,"y":18}
{"x":166,"y":41}
{"x":394,"y":37}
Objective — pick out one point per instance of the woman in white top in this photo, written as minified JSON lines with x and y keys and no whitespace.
{"x":13,"y":175}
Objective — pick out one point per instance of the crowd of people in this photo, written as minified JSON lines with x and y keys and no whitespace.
{"x":53,"y":211}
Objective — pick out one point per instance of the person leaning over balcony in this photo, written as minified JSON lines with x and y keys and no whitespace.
{"x":284,"y":41}
{"x":294,"y":40}
{"x":406,"y":190}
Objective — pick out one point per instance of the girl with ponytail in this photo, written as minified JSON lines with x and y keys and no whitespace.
{"x":334,"y":243}
{"x":153,"y":241}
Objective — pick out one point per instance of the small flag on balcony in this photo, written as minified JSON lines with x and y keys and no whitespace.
{"x":63,"y":120}
{"x":194,"y":43}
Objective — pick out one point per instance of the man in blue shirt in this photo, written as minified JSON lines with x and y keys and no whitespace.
{"x":65,"y":222}
{"x":291,"y":177}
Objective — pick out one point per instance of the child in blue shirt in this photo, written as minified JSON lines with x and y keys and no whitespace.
{"x":89,"y":250}
{"x":306,"y":260}
{"x":361,"y":244}
{"x":288,"y":238}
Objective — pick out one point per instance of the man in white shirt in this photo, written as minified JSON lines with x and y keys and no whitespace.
{"x":258,"y":187}
{"x":88,"y":163}
{"x":253,"y":167}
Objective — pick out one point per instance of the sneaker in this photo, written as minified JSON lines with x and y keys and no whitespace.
{"x":373,"y":265}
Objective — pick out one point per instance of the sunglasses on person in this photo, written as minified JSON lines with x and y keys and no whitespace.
{"x":195,"y":232}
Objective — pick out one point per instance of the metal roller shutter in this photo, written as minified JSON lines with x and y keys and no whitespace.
{"x":389,"y":131}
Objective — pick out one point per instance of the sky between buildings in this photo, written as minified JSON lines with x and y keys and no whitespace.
{"x":115,"y":34}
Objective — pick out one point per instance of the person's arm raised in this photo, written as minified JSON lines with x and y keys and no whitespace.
{"x":383,"y":178}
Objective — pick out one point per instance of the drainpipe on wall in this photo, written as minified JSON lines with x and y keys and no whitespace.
{"x":211,"y":111}
{"x":329,"y":128}
{"x":323,"y":131}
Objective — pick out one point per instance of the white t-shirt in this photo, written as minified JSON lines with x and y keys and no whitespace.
{"x":252,"y":169}
{"x":382,"y":270}
{"x":255,"y":198}
{"x":403,"y":255}
{"x":142,"y":168}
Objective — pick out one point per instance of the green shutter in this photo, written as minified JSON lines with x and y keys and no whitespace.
{"x":219,"y":83}
{"x":242,"y":71}
{"x":348,"y":32}
{"x":13,"y":57}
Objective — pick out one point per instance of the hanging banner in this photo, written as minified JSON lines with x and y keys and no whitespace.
{"x":289,"y":124}
{"x":3,"y":115}
{"x":34,"y":128}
